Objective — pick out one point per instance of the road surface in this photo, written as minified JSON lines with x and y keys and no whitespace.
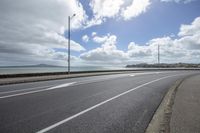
{"x":120,"y":103}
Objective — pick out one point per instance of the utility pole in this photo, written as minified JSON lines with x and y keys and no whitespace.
{"x":158,"y":54}
{"x":69,"y":38}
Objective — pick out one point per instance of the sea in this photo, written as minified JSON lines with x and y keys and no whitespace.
{"x":22,"y":70}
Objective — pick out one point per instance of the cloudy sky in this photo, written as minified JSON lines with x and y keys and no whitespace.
{"x":104,"y":32}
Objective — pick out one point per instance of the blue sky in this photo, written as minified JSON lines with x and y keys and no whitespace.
{"x":126,"y":31}
{"x":161,"y":19}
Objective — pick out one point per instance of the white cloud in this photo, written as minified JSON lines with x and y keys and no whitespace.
{"x":107,"y":53}
{"x":93,"y":22}
{"x":94,"y":34}
{"x":189,"y":42}
{"x":37,"y":27}
{"x":106,"y":8}
{"x":126,"y":9}
{"x":136,"y":50}
{"x":33,"y":31}
{"x":103,"y":9}
{"x":186,"y":48}
{"x":135,"y":9}
{"x":101,"y":39}
{"x":85,"y":38}
{"x":178,"y":1}
{"x":190,"y":35}
{"x":59,"y":41}
{"x":188,"y":30}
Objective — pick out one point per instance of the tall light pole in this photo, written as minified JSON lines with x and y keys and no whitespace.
{"x":69,"y":38}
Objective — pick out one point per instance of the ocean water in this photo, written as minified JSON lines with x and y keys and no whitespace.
{"x":21,"y":70}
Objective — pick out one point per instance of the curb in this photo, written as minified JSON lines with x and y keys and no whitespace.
{"x":160,"y":122}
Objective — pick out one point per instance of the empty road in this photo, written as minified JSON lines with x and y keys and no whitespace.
{"x":120,"y":103}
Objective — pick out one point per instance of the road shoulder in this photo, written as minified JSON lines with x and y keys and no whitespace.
{"x":161,"y":119}
{"x":186,"y":109}
{"x":179,"y":109}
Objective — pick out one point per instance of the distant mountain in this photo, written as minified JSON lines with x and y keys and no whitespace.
{"x":37,"y":65}
{"x":45,"y":65}
{"x":164,"y":65}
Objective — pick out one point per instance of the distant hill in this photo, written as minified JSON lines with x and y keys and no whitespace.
{"x":37,"y":65}
{"x":164,"y":65}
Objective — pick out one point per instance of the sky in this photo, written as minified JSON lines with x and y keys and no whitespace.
{"x":103,"y":32}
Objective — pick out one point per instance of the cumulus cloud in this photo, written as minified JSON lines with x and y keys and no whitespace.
{"x":135,"y":9}
{"x":106,"y":53}
{"x":103,"y":9}
{"x":34,"y":28}
{"x":185,"y":48}
{"x":136,"y":50}
{"x":190,"y":35}
{"x":101,"y":39}
{"x":126,"y":9}
{"x":191,"y":29}
{"x":94,"y":34}
{"x":106,"y":8}
{"x":85,"y":38}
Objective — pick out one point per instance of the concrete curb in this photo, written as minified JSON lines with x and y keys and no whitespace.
{"x":160,"y":122}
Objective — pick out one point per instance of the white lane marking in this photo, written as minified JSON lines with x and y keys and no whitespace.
{"x":145,"y":73}
{"x":115,"y":77}
{"x":97,"y":105}
{"x":83,"y":82}
{"x":36,"y":91}
{"x":6,"y":92}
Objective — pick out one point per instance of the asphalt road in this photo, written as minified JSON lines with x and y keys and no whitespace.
{"x":120,"y":103}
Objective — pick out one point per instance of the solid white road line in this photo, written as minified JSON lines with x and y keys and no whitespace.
{"x":97,"y":105}
{"x":36,"y":91}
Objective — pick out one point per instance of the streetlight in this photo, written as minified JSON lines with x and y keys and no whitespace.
{"x":158,"y":54}
{"x":69,"y":21}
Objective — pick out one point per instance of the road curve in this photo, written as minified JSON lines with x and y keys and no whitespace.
{"x":99,"y":104}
